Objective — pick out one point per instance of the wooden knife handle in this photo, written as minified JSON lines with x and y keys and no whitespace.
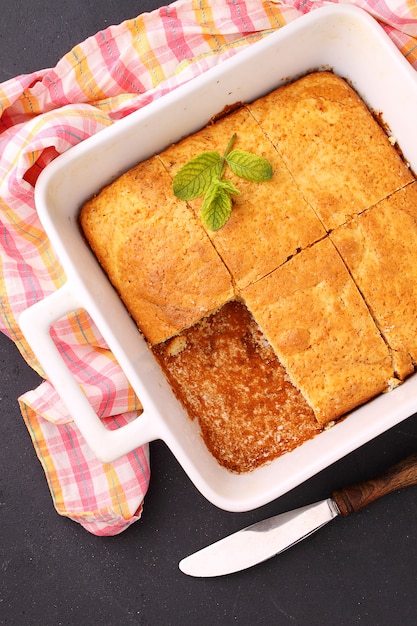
{"x":353,"y":498}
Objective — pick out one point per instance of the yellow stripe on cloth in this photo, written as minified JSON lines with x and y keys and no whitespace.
{"x":274,"y":14}
{"x":143,"y":48}
{"x":409,"y":50}
{"x":119,"y":502}
{"x":83,"y":74}
{"x":43,"y":454}
{"x":4,"y":101}
{"x":412,"y":8}
{"x":210,"y":31}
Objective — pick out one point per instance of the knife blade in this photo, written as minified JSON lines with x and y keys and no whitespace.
{"x":261,"y":541}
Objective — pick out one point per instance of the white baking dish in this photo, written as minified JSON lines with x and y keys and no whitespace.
{"x":342,"y":38}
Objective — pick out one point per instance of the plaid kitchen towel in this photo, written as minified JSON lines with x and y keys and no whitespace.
{"x":42,"y":114}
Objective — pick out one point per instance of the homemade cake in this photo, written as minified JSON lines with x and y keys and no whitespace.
{"x":379,"y":248}
{"x":295,"y":311}
{"x":227,"y":375}
{"x":155,"y":252}
{"x":313,"y":315}
{"x":272,"y":220}
{"x":339,"y":156}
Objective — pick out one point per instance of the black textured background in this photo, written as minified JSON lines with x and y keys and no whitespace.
{"x":359,"y":570}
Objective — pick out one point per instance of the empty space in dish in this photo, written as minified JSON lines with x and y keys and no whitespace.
{"x":339,"y":38}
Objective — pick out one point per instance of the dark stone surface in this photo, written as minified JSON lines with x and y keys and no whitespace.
{"x":358,"y":570}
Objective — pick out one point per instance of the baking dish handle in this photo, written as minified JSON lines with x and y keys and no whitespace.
{"x":107,"y":445}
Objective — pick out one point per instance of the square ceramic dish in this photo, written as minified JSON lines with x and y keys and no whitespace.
{"x":341,"y":38}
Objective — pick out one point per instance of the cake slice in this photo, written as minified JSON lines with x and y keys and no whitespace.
{"x":339,"y":156}
{"x":155,"y":252}
{"x":322,"y":332}
{"x":379,"y":248}
{"x":270,"y":221}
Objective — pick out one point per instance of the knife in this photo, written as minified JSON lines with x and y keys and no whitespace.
{"x":270,"y":537}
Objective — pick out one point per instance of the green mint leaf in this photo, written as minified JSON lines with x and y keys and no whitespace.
{"x":203,"y":175}
{"x":249,"y":166}
{"x":228,"y":186}
{"x":194,"y":178}
{"x":217,"y":205}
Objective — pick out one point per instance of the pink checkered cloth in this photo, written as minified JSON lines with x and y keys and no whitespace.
{"x":45,"y":113}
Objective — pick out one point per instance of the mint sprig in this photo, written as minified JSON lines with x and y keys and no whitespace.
{"x":217,"y":203}
{"x":194,"y":178}
{"x":203,"y":175}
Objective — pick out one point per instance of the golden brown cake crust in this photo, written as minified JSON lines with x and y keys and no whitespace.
{"x":314,"y":317}
{"x":323,"y":255}
{"x":341,"y":159}
{"x":155,"y":252}
{"x":272,"y":220}
{"x":379,"y":248}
